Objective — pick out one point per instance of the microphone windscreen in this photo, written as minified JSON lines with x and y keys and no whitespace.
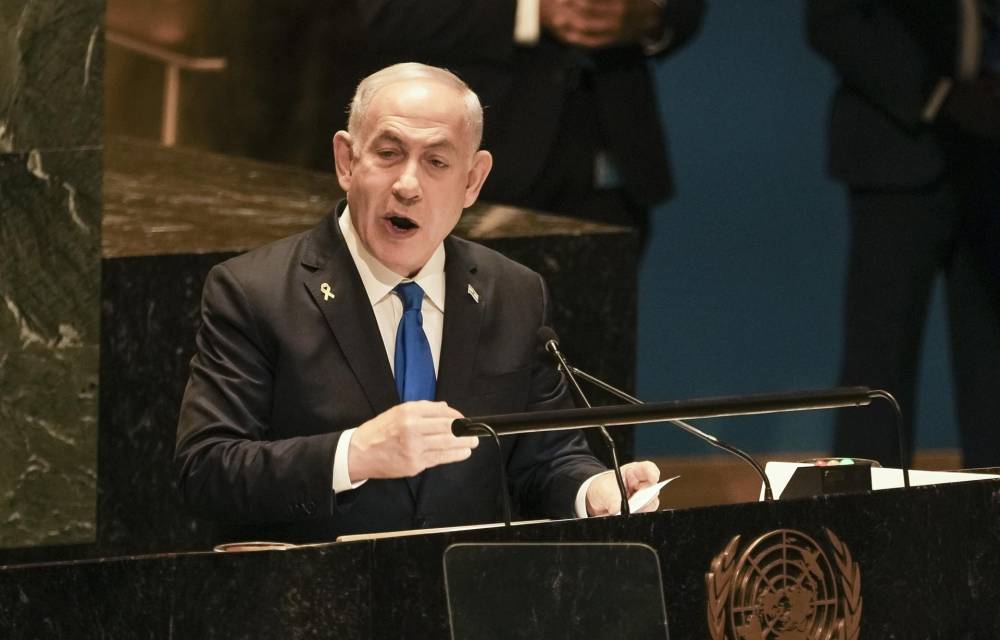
{"x":546,"y":333}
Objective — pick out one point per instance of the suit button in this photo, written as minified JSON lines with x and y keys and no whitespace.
{"x":310,"y":508}
{"x":419,"y":522}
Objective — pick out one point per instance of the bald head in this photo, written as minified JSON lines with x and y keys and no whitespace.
{"x":406,"y":72}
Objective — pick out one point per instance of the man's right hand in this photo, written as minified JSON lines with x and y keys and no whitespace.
{"x":405,"y":440}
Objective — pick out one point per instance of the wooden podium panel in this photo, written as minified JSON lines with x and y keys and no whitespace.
{"x":915,"y":563}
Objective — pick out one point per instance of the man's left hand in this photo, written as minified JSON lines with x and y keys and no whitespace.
{"x":601,"y":23}
{"x":604,"y":498}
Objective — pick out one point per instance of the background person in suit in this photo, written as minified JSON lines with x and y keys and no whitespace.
{"x":915,"y":135}
{"x":292,"y":426}
{"x":573,"y":120}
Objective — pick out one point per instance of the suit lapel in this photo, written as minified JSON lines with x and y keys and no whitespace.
{"x":463,"y":319}
{"x":347,"y":310}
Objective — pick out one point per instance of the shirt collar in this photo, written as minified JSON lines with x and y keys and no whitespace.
{"x":379,"y":280}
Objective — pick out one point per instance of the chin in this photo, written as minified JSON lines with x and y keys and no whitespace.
{"x":402,"y":255}
{"x":399,"y":264}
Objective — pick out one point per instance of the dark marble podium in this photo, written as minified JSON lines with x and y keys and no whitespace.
{"x":914,"y":563}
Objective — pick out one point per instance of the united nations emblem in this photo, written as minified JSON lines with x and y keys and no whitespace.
{"x":783,"y":586}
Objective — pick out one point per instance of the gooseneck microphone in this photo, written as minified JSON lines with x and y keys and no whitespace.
{"x":548,"y":337}
{"x":552,"y":345}
{"x":678,"y":410}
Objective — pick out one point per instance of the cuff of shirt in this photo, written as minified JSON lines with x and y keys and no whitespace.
{"x":341,"y":474}
{"x":527,"y":23}
{"x":581,"y":496}
{"x":654,"y":43}
{"x":938,"y":96}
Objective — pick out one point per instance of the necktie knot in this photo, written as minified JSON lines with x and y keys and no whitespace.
{"x":411,"y":294}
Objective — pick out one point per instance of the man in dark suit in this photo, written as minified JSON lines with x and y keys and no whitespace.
{"x":573,"y":120}
{"x":292,"y":425}
{"x":915,"y":134}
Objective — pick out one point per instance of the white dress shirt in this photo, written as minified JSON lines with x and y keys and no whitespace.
{"x":379,"y":281}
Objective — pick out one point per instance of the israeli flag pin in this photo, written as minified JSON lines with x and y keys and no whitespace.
{"x":473,"y":294}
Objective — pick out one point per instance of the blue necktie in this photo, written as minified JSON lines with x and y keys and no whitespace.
{"x":414,"y":365}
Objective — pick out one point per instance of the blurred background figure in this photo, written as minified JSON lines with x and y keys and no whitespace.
{"x":914,"y":134}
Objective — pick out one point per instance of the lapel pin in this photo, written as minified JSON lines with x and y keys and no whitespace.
{"x":326,"y":291}
{"x":473,"y":294}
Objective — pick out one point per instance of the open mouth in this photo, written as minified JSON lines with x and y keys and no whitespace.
{"x":402,"y":223}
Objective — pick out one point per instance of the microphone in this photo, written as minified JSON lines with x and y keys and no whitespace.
{"x":844,"y":393}
{"x":698,"y":433}
{"x":552,"y":344}
{"x":678,"y":410}
{"x":548,"y":337}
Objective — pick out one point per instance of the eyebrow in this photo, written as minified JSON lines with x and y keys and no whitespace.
{"x":388,"y":137}
{"x":442,"y":143}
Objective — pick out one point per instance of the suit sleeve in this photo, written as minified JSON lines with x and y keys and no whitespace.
{"x":546,"y":469}
{"x":875,"y":53}
{"x":227,"y":468}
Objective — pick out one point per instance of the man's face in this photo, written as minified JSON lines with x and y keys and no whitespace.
{"x":412,"y":172}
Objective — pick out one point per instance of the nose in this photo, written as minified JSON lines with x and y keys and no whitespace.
{"x":406,"y":188}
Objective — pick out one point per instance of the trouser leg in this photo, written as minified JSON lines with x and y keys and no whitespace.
{"x":898,"y":240}
{"x":974,"y":306}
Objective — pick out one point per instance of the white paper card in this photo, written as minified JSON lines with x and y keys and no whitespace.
{"x":642,"y":497}
{"x":779,"y":473}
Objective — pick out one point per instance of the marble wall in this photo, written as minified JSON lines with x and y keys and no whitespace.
{"x":51,"y":61}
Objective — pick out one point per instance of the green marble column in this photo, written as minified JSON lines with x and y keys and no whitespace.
{"x":51,"y":62}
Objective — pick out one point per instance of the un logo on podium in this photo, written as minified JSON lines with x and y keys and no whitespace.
{"x":783,"y":586}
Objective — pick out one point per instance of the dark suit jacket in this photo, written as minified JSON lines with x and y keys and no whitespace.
{"x":280,"y":371}
{"x":525,"y":89}
{"x":889,"y":55}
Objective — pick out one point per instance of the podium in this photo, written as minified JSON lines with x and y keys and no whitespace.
{"x":902,"y":563}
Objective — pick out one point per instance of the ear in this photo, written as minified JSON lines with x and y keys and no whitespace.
{"x":482,"y":162}
{"x":343,"y":158}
